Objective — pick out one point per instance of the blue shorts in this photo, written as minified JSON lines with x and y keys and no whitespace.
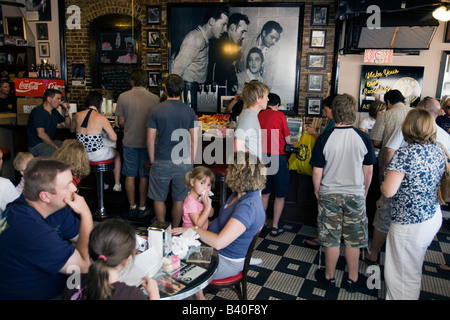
{"x":134,"y":160}
{"x":165,"y":174}
{"x":279,"y":181}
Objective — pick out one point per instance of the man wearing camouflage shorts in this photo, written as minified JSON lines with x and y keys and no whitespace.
{"x":342,"y":161}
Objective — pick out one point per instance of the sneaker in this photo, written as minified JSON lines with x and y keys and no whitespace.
{"x":105,"y":186}
{"x":142,"y":213}
{"x":117,"y":188}
{"x":255,"y":261}
{"x":352,"y":286}
{"x":321,"y":278}
{"x":132,"y":212}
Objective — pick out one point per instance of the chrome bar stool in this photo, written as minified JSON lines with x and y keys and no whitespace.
{"x":98,"y":167}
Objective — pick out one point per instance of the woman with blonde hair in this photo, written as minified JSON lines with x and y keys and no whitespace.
{"x":74,"y":153}
{"x":412,"y":180}
{"x":241,"y":217}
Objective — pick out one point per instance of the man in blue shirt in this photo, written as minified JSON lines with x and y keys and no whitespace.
{"x":37,"y":233}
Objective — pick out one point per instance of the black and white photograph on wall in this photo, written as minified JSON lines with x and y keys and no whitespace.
{"x":153,"y":58}
{"x":254,"y":41}
{"x":313,"y":107}
{"x":153,"y":14}
{"x":316,"y":61}
{"x":318,"y":38}
{"x":314,"y":83}
{"x":154,"y":38}
{"x":38,"y":10}
{"x":153,"y":79}
{"x":44,"y":49}
{"x":319,"y":15}
{"x":42,"y":31}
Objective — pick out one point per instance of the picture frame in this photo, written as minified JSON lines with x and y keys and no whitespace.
{"x":313,"y":107}
{"x":42,"y":31}
{"x":283,"y":76}
{"x":44,"y":49}
{"x":319,"y":15}
{"x":153,"y":58}
{"x":153,"y":38}
{"x":224,"y":102}
{"x":317,"y":39}
{"x":315,"y":82}
{"x":21,"y":42}
{"x":153,"y":79}
{"x":316,"y":61}
{"x":153,"y":14}
{"x":15,"y":26}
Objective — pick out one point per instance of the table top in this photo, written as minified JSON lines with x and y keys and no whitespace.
{"x":184,"y":282}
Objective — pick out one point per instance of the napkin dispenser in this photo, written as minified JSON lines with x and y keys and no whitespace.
{"x":160,"y":237}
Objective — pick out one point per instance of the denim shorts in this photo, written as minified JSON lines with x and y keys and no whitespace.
{"x":279,"y":181}
{"x":134,"y":160}
{"x":342,"y":216}
{"x":165,"y":174}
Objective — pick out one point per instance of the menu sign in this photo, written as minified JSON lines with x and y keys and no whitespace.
{"x":377,"y":80}
{"x":35,"y":87}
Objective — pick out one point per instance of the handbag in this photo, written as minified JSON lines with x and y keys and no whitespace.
{"x":444,"y":185}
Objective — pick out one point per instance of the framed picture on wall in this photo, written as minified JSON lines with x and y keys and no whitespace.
{"x":44,"y":49}
{"x":319,"y":15}
{"x":314,"y":82}
{"x":153,"y":14}
{"x":42,"y":31}
{"x":153,"y":58}
{"x":313,"y":107}
{"x":317,"y":38}
{"x":281,"y":72}
{"x":316,"y":61}
{"x":153,"y":78}
{"x":15,"y":26}
{"x":154,"y":38}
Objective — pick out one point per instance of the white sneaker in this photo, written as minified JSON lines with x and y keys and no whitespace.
{"x":117,"y":188}
{"x":255,"y":261}
{"x":105,"y":186}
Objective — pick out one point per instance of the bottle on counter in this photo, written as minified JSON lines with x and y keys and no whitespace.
{"x":56,"y":72}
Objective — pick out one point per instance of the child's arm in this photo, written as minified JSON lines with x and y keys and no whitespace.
{"x":200,"y":218}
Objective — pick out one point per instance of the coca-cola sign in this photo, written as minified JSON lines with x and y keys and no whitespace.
{"x":35,"y":87}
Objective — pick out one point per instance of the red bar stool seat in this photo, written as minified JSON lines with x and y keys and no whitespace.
{"x":6,"y":153}
{"x":220,"y":170}
{"x":98,"y":167}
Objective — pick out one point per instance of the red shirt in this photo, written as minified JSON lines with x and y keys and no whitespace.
{"x":273,"y":122}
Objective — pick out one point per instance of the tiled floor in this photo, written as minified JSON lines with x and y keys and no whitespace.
{"x":288,"y":267}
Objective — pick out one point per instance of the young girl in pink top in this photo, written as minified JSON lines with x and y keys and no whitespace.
{"x":197,"y":206}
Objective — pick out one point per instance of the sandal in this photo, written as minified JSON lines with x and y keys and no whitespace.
{"x":277,"y":231}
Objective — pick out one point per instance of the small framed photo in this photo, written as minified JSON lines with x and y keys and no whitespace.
{"x":153,"y":38}
{"x":314,"y":107}
{"x":153,"y":58}
{"x":317,"y":39}
{"x":153,"y":14}
{"x":316,"y":61}
{"x":42,"y":31}
{"x":44,"y":49}
{"x":21,"y":42}
{"x":319,"y":15}
{"x":314,"y":83}
{"x":153,"y":79}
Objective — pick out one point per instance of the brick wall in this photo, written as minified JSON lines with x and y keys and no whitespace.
{"x":78,"y":40}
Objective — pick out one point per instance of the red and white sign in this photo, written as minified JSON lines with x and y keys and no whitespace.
{"x":378,"y":55}
{"x":35,"y":87}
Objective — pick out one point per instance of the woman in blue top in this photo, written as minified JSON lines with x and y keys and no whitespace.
{"x":241,"y":217}
{"x":412,"y":181}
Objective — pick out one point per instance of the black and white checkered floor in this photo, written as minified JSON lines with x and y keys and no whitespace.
{"x":288,"y":267}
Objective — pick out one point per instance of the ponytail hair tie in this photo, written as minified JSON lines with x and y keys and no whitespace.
{"x":102,"y":257}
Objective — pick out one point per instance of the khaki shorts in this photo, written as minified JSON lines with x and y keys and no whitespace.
{"x":342,"y":216}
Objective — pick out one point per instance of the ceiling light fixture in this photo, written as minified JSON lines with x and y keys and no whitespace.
{"x":441,"y":14}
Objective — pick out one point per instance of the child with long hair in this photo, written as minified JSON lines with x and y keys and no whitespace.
{"x":74,"y":153}
{"x":197,"y":206}
{"x":20,"y":164}
{"x":112,"y":244}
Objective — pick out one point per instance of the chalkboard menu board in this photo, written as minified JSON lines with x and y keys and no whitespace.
{"x":115,"y":77}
